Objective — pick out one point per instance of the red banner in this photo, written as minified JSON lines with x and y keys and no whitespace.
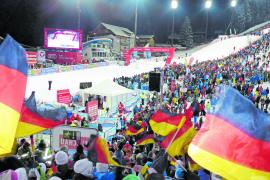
{"x":31,"y":57}
{"x":63,"y":96}
{"x":92,"y":109}
{"x":66,"y":58}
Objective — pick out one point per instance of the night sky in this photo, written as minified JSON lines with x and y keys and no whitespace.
{"x":25,"y":19}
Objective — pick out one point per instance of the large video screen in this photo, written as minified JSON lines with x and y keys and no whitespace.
{"x":62,"y":39}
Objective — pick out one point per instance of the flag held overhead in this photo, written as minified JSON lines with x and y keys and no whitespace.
{"x":13,"y":77}
{"x":234,"y":142}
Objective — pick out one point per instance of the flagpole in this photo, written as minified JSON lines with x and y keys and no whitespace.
{"x":178,"y":129}
{"x":126,"y":167}
{"x":179,"y":164}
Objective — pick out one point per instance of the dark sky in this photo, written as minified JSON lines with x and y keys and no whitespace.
{"x":25,"y":19}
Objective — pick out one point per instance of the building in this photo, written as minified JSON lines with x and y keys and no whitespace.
{"x":122,"y":38}
{"x":145,"y":40}
{"x":97,"y":50}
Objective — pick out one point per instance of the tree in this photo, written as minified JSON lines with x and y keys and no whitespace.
{"x":247,"y":13}
{"x":186,"y":33}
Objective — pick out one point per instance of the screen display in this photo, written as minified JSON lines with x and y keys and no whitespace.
{"x":72,"y":135}
{"x":62,"y":39}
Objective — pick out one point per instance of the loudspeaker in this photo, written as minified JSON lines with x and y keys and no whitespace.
{"x":154,"y":81}
{"x":50,"y":85}
{"x":85,"y":85}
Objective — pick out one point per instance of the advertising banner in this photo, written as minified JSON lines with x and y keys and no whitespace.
{"x":63,"y":96}
{"x":92,"y":109}
{"x":49,"y":70}
{"x":31,"y":57}
{"x":65,"y":68}
{"x":41,"y":56}
{"x":127,"y":54}
{"x":65,"y":58}
{"x":71,"y":143}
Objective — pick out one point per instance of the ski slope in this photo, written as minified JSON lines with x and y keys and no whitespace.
{"x":219,"y":48}
{"x":71,"y":80}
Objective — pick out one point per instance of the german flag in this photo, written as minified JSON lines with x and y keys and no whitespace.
{"x":147,"y":139}
{"x":13,"y":76}
{"x":102,"y":151}
{"x":34,"y":121}
{"x":163,"y":122}
{"x":177,"y":141}
{"x":234,"y":141}
{"x":135,"y":128}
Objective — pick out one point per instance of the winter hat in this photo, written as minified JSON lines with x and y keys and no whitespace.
{"x":9,"y":174}
{"x":61,"y":158}
{"x":34,"y":173}
{"x":131,"y":177}
{"x":21,"y":172}
{"x":101,"y":167}
{"x":179,"y":173}
{"x":84,"y":167}
{"x":55,"y":178}
{"x":43,"y":167}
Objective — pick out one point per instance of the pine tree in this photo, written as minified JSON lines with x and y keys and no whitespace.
{"x":248,"y":14}
{"x":186,"y":33}
{"x":240,"y":21}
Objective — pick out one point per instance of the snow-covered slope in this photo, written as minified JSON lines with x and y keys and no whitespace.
{"x":220,"y":48}
{"x":71,"y":80}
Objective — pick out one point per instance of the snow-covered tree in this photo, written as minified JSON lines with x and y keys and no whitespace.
{"x":186,"y":33}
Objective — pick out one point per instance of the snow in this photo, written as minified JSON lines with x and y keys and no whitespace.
{"x":71,"y":80}
{"x":220,"y":48}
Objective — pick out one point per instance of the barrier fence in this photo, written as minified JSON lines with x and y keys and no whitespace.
{"x":43,"y":71}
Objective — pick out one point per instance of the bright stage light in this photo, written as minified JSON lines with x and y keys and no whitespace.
{"x":233,"y":3}
{"x":208,"y":4}
{"x":174,"y":4}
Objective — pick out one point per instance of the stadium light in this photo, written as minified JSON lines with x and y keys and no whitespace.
{"x":208,"y":4}
{"x":233,"y":3}
{"x":174,"y":4}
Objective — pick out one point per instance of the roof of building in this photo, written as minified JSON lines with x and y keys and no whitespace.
{"x":117,"y":30}
{"x":145,"y":36}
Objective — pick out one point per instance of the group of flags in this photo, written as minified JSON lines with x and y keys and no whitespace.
{"x":19,"y":119}
{"x":233,"y":142}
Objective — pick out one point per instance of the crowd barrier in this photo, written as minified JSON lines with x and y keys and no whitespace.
{"x":44,"y":71}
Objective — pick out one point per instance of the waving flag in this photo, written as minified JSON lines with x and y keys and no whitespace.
{"x":177,"y":141}
{"x":34,"y":120}
{"x":163,"y":122}
{"x":13,"y":76}
{"x":102,"y":151}
{"x":234,"y":142}
{"x":135,"y":128}
{"x":146,"y":139}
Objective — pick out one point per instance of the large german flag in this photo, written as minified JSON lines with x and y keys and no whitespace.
{"x":234,"y":141}
{"x":13,"y":76}
{"x":163,"y":122}
{"x":34,"y":121}
{"x":177,"y":141}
